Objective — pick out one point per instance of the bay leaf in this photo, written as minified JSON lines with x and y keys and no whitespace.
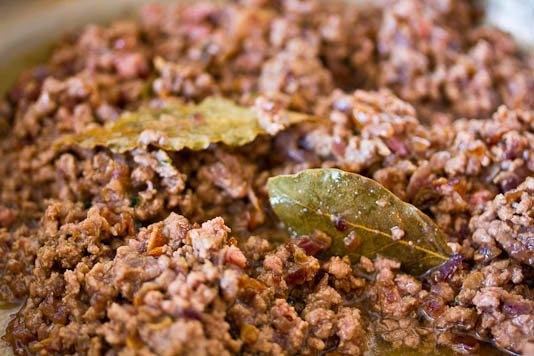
{"x":360,"y":216}
{"x":180,"y":125}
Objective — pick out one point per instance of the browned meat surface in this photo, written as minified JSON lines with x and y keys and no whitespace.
{"x":154,"y":252}
{"x":507,"y":223}
{"x":177,"y":288}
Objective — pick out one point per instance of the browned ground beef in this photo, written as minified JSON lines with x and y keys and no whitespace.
{"x":175,"y":253}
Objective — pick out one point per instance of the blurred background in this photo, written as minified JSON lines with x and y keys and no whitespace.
{"x":28,"y":26}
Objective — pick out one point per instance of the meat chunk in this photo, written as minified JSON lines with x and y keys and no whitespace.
{"x":506,"y":223}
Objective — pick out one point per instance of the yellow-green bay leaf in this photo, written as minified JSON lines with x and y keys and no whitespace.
{"x":361,"y":216}
{"x":175,"y":125}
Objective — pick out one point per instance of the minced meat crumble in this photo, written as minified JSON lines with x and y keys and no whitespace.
{"x":155,"y":252}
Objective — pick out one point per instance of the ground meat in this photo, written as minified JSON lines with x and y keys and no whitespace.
{"x":315,"y":317}
{"x":418,"y":43}
{"x":170,"y":287}
{"x":270,"y":117}
{"x":506,"y":223}
{"x":160,"y":252}
{"x":508,"y":316}
{"x":296,"y":73}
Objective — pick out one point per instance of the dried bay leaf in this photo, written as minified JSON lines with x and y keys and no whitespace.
{"x":177,"y":125}
{"x":361,"y":216}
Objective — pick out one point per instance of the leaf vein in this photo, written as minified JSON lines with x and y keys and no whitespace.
{"x":377,"y":232}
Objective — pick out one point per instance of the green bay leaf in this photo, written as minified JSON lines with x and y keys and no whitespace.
{"x":361,"y":216}
{"x":180,"y":125}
